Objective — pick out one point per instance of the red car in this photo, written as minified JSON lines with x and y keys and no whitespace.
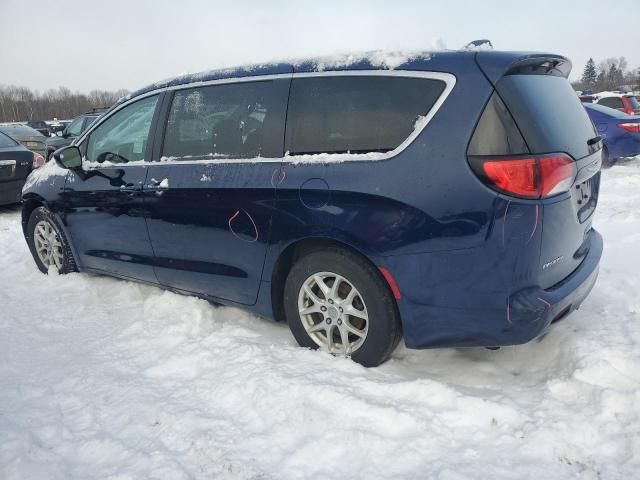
{"x":625,"y":102}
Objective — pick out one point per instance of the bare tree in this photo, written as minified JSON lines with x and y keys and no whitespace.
{"x":22,"y":104}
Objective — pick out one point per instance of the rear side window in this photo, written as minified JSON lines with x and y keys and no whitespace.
{"x":356,"y":114}
{"x":612,"y":102}
{"x":241,"y":120}
{"x":548,"y":113}
{"x":6,"y":142}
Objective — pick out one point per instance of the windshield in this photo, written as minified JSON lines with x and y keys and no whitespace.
{"x":75,"y":128}
{"x":548,"y":113}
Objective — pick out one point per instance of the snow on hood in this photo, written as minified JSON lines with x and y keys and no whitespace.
{"x":48,"y":171}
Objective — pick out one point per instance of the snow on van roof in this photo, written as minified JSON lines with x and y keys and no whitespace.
{"x":377,"y":59}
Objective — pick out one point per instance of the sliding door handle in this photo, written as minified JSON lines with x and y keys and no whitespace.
{"x":131,"y":188}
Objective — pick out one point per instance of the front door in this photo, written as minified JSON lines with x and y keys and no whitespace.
{"x":104,"y":206}
{"x":210,"y":196}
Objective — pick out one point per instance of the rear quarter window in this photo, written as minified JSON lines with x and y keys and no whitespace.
{"x":548,"y":113}
{"x":356,"y":114}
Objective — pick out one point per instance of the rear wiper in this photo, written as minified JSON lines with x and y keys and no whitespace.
{"x":594,"y":140}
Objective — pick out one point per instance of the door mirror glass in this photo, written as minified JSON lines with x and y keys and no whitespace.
{"x":68,"y":157}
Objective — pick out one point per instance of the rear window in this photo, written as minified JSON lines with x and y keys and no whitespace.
{"x":5,"y":141}
{"x":548,"y":113}
{"x":612,"y":102}
{"x":356,"y":114}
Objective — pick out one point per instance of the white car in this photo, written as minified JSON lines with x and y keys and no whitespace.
{"x":625,"y":102}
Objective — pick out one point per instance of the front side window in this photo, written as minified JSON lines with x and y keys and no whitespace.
{"x":241,"y":120}
{"x":123,"y":137}
{"x":356,"y":114}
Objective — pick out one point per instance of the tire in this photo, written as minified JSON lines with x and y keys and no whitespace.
{"x":361,"y":290}
{"x":61,"y":257}
{"x":607,"y":161}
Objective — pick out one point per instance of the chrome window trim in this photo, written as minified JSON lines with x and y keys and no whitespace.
{"x":448,"y":78}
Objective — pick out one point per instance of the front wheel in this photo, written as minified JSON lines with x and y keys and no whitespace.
{"x":337,"y":301}
{"x":48,"y":244}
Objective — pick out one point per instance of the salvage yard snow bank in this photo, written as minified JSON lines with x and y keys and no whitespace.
{"x":106,"y":378}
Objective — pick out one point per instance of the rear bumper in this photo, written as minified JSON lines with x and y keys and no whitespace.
{"x":532,"y":311}
{"x":485,"y":313}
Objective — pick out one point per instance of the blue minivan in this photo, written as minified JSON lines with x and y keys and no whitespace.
{"x":436,"y":198}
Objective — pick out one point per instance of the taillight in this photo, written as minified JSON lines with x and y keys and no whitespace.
{"x":38,"y":160}
{"x":630,"y":127}
{"x":528,"y":177}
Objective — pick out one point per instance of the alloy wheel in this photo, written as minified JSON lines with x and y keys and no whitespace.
{"x":333,"y":313}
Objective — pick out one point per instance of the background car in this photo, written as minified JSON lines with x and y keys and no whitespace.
{"x":625,"y":102}
{"x":16,"y":162}
{"x":620,"y":131}
{"x":78,"y":125}
{"x":27,"y":136}
{"x":56,"y":126}
{"x":40,"y":126}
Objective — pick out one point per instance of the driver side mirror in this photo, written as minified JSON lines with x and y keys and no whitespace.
{"x":68,"y":157}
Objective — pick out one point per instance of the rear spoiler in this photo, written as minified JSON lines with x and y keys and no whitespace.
{"x":497,"y":64}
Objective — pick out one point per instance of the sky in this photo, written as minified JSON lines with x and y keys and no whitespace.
{"x":113,"y":44}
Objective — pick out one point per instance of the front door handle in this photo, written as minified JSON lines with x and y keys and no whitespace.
{"x":158,"y":184}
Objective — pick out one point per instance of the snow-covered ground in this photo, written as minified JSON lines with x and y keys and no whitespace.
{"x":101,"y":378}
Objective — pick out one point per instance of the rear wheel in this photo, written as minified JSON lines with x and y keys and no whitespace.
{"x":336,"y":301}
{"x":48,"y":244}
{"x":607,"y":161}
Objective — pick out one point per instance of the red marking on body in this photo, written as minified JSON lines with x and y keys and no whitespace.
{"x":545,"y":302}
{"x":234,"y":216}
{"x":535,"y":225}
{"x":391,"y":281}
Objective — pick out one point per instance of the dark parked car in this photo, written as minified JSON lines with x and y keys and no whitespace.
{"x":620,"y":131}
{"x":16,"y":162}
{"x":40,"y":126}
{"x":27,"y":136}
{"x":65,"y":136}
{"x":441,"y":201}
